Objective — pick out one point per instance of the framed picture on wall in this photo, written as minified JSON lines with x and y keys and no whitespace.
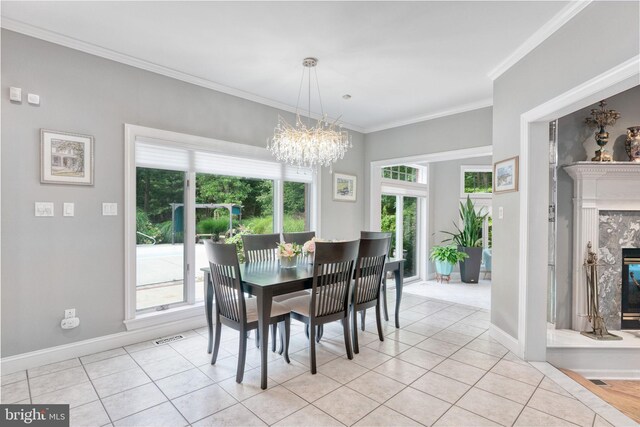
{"x":505,"y":175}
{"x":344,"y":187}
{"x":66,"y":158}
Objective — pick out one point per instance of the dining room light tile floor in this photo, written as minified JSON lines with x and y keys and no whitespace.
{"x":440,"y":368}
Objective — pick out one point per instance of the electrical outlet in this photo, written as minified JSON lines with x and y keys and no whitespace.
{"x":69,"y":313}
{"x":71,"y":323}
{"x":109,"y":209}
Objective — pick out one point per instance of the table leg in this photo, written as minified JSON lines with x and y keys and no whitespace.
{"x":264,"y":312}
{"x":208,"y":307}
{"x":399,"y":274}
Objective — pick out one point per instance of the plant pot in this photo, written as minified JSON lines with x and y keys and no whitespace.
{"x":444,"y":268}
{"x":470,"y":267}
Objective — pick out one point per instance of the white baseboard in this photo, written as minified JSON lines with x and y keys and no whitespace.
{"x":505,"y":339}
{"x":597,"y":363}
{"x":95,"y":345}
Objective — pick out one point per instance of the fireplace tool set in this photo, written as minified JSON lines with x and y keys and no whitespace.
{"x":599,"y":330}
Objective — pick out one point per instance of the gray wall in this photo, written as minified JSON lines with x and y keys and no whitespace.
{"x":573,"y":139}
{"x":445,"y":188}
{"x":458,"y":131}
{"x":580,"y":50}
{"x":49,"y":264}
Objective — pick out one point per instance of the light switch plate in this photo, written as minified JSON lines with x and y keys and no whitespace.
{"x":15,"y":94}
{"x":33,"y":99}
{"x":68,"y":209}
{"x":109,"y":209}
{"x":44,"y":209}
{"x":500,"y":212}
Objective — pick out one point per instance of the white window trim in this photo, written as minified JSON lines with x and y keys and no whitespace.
{"x":473,"y":168}
{"x":133,"y":319}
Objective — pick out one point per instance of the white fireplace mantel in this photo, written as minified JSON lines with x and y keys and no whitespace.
{"x":596,"y":187}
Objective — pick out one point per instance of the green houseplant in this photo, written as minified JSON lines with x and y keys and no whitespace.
{"x":445,"y":257}
{"x":468,"y":237}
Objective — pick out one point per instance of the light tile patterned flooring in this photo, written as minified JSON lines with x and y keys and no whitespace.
{"x":441,"y":368}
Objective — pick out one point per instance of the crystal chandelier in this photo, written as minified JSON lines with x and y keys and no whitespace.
{"x":307,"y":145}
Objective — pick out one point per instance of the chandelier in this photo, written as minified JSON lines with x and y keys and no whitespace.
{"x":307,"y":144}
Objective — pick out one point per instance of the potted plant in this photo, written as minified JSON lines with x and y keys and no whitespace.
{"x":288,"y":254}
{"x":469,"y":240}
{"x":445,"y":257}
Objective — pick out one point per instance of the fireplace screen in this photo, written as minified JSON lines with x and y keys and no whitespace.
{"x":630,"y":288}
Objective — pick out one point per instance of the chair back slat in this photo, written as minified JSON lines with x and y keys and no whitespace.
{"x":260,"y":247}
{"x":370,"y":268}
{"x":298,"y":238}
{"x":332,"y":273}
{"x":227,"y":283}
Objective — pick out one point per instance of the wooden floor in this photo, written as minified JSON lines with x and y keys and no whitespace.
{"x":623,"y":395}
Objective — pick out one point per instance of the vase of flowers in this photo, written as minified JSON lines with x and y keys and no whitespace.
{"x":309,"y":249}
{"x":288,"y":254}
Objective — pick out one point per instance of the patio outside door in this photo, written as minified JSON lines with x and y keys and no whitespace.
{"x":400,"y":215}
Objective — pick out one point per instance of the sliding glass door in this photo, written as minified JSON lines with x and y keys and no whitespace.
{"x":400,"y":216}
{"x":160,"y":254}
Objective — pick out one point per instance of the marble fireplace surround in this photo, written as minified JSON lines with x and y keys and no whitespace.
{"x":603,"y":192}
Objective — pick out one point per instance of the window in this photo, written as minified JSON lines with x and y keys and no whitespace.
{"x":295,"y":207}
{"x":476,"y":181}
{"x":401,"y":173}
{"x":181,"y":189}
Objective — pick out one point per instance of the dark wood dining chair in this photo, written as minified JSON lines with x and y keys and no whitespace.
{"x":299,"y":238}
{"x":263,"y":247}
{"x":372,"y":255}
{"x":330,"y":293}
{"x":379,"y":235}
{"x":374,"y":234}
{"x":232,"y":309}
{"x":260,"y":247}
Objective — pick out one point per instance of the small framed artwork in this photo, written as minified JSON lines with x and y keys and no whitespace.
{"x":505,"y":175}
{"x":344,"y":187}
{"x":66,"y":158}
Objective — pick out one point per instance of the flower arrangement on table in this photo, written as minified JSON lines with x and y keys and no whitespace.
{"x":309,"y":246}
{"x":288,"y":252}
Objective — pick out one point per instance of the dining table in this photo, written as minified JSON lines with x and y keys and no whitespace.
{"x":266,"y":279}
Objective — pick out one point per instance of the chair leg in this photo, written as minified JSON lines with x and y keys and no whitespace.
{"x":347,"y":338}
{"x":281,"y":333}
{"x":274,"y":334}
{"x":312,"y":350}
{"x":216,"y":346}
{"x":306,"y":330}
{"x":363,"y":315}
{"x":257,"y":338}
{"x":242,"y":357}
{"x":384,"y":297}
{"x":286,"y":334}
{"x":356,"y":349}
{"x":379,"y":321}
{"x":320,"y":333}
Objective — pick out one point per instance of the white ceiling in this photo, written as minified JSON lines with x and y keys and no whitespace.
{"x":400,"y":61}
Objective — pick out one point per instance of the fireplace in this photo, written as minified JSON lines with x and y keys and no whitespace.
{"x":630,"y":288}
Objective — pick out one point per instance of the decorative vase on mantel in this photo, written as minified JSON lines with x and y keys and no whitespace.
{"x":632,"y":144}
{"x":601,"y":118}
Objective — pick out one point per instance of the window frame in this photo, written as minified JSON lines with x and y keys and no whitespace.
{"x":181,"y":311}
{"x":474,"y":168}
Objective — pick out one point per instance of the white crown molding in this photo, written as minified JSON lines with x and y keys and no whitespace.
{"x":488,"y":102}
{"x":544,"y":32}
{"x":70,"y":42}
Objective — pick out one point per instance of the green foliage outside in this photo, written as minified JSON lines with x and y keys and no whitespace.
{"x":449,"y":254}
{"x":470,"y":235}
{"x":156,"y":189}
{"x":478,"y":182}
